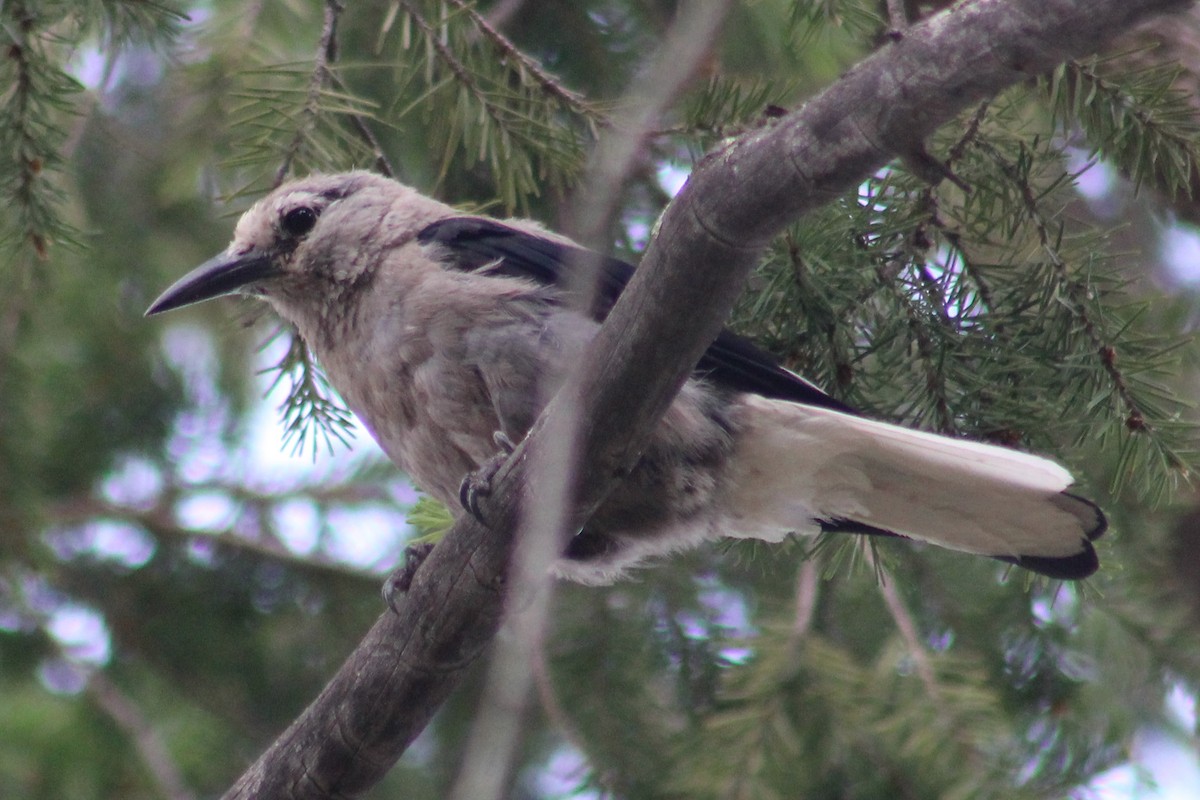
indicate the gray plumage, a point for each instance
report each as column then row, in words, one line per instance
column 439, row 330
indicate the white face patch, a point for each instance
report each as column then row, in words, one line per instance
column 261, row 227
column 323, row 233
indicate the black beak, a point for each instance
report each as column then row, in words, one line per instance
column 218, row 276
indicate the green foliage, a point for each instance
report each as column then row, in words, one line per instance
column 283, row 114
column 430, row 520
column 34, row 112
column 492, row 104
column 994, row 305
column 729, row 106
column 39, row 104
column 963, row 310
column 1137, row 118
column 311, row 408
column 861, row 18
column 882, row 720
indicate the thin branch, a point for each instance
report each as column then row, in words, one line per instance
column 146, row 740
column 26, row 144
column 497, row 730
column 1076, row 295
column 935, row 376
column 969, row 135
column 898, row 15
column 551, row 707
column 742, row 783
column 456, row 67
column 658, row 86
column 160, row 521
column 111, row 700
column 551, row 85
column 919, row 654
column 460, row 72
column 383, row 164
column 316, row 82
column 808, row 580
column 500, row 13
column 907, row 628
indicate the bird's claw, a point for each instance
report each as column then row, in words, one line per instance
column 503, row 442
column 478, row 484
column 400, row 581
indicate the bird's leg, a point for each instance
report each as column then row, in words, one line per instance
column 478, row 484
column 399, row 582
column 475, row 485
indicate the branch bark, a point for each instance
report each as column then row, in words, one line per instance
column 501, row 713
column 709, row 239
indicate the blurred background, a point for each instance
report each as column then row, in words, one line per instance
column 193, row 533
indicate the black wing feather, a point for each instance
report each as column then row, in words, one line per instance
column 731, row 361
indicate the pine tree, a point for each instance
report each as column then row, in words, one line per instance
column 168, row 606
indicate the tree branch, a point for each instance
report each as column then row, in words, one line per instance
column 145, row 738
column 326, row 47
column 710, row 238
column 495, row 731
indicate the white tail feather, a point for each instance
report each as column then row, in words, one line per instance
column 797, row 465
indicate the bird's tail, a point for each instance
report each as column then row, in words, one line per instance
column 800, row 468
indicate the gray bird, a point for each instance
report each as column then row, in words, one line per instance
column 441, row 330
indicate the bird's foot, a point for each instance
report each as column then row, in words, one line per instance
column 478, row 484
column 400, row 581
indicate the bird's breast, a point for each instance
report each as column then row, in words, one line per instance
column 428, row 411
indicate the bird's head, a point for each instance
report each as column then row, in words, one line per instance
column 311, row 238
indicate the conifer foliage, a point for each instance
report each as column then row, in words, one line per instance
column 171, row 597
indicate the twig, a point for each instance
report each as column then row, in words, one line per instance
column 159, row 520
column 112, row 701
column 500, row 13
column 550, row 84
column 551, row 707
column 383, row 164
column 675, row 64
column 929, row 286
column 972, row 131
column 935, row 379
column 742, row 783
column 807, row 582
column 907, row 628
column 316, row 82
column 897, row 15
column 1077, row 297
column 456, row 67
column 146, row 741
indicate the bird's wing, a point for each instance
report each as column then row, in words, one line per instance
column 731, row 361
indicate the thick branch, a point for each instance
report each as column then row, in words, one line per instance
column 710, row 238
column 496, row 730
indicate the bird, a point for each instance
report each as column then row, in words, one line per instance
column 448, row 332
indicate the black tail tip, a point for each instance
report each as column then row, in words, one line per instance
column 1081, row 564
column 1066, row 568
column 1074, row 567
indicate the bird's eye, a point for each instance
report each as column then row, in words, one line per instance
column 299, row 221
